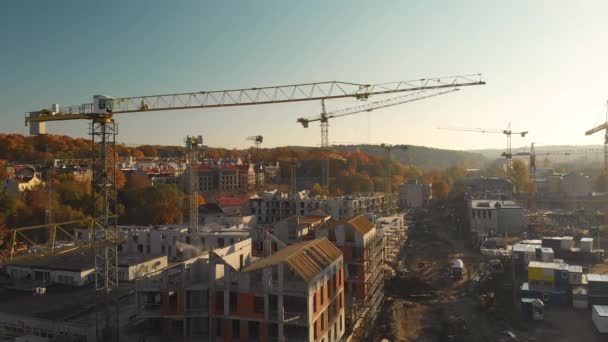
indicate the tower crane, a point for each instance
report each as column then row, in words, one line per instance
column 532, row 156
column 324, row 117
column 602, row 127
column 257, row 139
column 193, row 146
column 103, row 132
column 507, row 132
column 388, row 172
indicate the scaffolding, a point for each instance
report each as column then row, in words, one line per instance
column 364, row 312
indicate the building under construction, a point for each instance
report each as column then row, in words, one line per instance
column 363, row 249
column 294, row 294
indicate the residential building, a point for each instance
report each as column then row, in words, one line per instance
column 80, row 171
column 175, row 241
column 225, row 178
column 16, row 185
column 300, row 227
column 576, row 185
column 63, row 313
column 394, row 231
column 362, row 248
column 272, row 172
column 295, row 294
column 273, row 206
column 375, row 203
column 414, row 195
column 78, row 269
column 488, row 187
column 495, row 217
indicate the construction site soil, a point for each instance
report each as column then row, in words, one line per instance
column 423, row 304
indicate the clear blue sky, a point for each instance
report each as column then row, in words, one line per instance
column 545, row 63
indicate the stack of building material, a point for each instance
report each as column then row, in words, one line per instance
column 598, row 288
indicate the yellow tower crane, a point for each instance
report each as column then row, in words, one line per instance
column 103, row 131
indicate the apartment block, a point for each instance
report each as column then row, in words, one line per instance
column 362, row 248
column 414, row 195
column 274, row 206
column 394, row 231
column 300, row 227
column 294, row 294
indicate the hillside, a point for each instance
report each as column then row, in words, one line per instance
column 583, row 156
column 424, row 157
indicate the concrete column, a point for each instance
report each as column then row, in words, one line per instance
column 281, row 310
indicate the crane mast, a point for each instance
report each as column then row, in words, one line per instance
column 193, row 146
column 257, row 139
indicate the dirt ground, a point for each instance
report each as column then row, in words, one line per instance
column 425, row 305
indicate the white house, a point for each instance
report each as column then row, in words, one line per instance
column 495, row 217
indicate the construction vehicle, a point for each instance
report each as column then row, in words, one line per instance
column 457, row 269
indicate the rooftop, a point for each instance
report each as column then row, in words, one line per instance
column 60, row 303
column 80, row 262
column 493, row 204
column 549, row 265
column 602, row 310
column 592, row 277
column 306, row 258
column 361, row 224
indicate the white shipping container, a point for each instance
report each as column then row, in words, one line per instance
column 546, row 255
column 587, row 244
column 600, row 318
column 566, row 243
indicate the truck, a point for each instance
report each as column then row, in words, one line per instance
column 457, row 269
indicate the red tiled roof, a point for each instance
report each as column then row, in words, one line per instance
column 226, row 201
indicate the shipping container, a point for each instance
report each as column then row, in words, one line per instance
column 600, row 318
column 566, row 243
column 546, row 254
column 587, row 244
column 580, row 300
column 549, row 296
column 552, row 242
column 575, row 275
